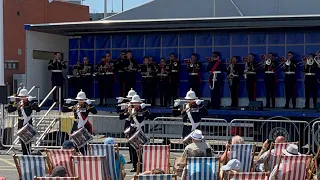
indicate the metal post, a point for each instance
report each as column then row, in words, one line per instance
column 38, row 95
column 59, row 133
column 2, row 124
column 105, row 8
column 122, row 5
column 1, row 45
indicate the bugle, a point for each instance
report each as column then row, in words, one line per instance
column 129, row 104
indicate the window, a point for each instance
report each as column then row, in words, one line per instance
column 11, row 65
column 44, row 55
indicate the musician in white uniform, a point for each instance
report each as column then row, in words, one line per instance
column 81, row 112
column 191, row 112
column 24, row 107
column 137, row 112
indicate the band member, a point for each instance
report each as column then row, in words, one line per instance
column 86, row 71
column 215, row 67
column 74, row 79
column 81, row 112
column 163, row 74
column 270, row 79
column 137, row 113
column 146, row 71
column 193, row 68
column 106, row 78
column 119, row 66
column 191, row 112
column 233, row 73
column 24, row 107
column 122, row 109
column 153, row 82
column 289, row 68
column 56, row 65
column 174, row 76
column 310, row 69
column 250, row 74
column 131, row 68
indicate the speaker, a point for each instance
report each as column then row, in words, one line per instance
column 3, row 94
column 255, row 106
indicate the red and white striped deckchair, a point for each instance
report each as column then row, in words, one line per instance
column 154, row 157
column 56, row 178
column 156, row 177
column 248, row 175
column 293, row 167
column 274, row 158
column 90, row 167
column 61, row 157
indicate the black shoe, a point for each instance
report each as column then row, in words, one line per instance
column 130, row 162
column 286, row 107
column 133, row 170
column 305, row 107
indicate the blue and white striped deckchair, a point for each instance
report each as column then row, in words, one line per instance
column 156, row 177
column 202, row 168
column 30, row 166
column 107, row 150
column 244, row 153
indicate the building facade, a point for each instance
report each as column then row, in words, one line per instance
column 21, row 12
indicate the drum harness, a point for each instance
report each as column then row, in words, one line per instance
column 193, row 124
column 81, row 121
column 26, row 118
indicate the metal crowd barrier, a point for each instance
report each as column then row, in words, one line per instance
column 315, row 133
column 257, row 131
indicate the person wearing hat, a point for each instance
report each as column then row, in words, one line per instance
column 198, row 145
column 291, row 150
column 59, row 171
column 191, row 112
column 175, row 67
column 234, row 165
column 193, row 68
column 24, row 107
column 119, row 164
column 163, row 75
column 81, row 112
column 137, row 112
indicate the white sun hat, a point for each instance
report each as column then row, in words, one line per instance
column 136, row 99
column 81, row 96
column 233, row 164
column 24, row 93
column 131, row 93
column 291, row 150
column 197, row 135
column 191, row 95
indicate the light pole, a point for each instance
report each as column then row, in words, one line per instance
column 105, row 8
column 1, row 46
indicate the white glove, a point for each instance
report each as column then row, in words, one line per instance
column 11, row 98
column 88, row 101
column 133, row 125
column 30, row 99
column 68, row 101
column 176, row 103
column 120, row 100
column 198, row 102
column 142, row 105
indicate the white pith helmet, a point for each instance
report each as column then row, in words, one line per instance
column 191, row 95
column 81, row 95
column 131, row 93
column 23, row 93
column 136, row 99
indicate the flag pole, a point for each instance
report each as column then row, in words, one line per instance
column 1, row 45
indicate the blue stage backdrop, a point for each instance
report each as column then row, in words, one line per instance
column 203, row 44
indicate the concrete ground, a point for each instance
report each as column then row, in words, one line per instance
column 9, row 171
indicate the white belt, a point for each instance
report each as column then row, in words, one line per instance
column 106, row 73
column 120, row 71
column 251, row 72
column 216, row 72
column 174, row 70
column 269, row 72
column 193, row 74
column 310, row 74
column 147, row 76
column 235, row 75
column 290, row 72
column 88, row 74
column 162, row 74
column 56, row 71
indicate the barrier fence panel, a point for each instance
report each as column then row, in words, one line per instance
column 315, row 132
column 257, row 131
column 168, row 130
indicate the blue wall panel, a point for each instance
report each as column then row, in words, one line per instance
column 184, row 44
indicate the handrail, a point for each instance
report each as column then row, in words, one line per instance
column 48, row 111
column 44, row 100
column 53, row 122
column 31, row 89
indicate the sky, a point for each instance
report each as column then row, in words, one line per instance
column 97, row 5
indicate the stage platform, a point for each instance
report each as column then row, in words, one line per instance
column 228, row 113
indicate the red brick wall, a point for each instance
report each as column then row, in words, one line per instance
column 33, row 12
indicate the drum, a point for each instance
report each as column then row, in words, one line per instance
column 129, row 131
column 139, row 138
column 188, row 139
column 81, row 137
column 27, row 133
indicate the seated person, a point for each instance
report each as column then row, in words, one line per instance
column 234, row 165
column 198, row 145
column 153, row 171
column 36, row 153
column 235, row 140
column 69, row 145
column 59, row 171
column 291, row 150
column 119, row 168
column 263, row 155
